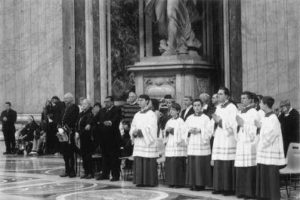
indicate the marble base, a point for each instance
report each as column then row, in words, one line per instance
column 176, row 75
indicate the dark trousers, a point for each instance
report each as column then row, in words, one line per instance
column 52, row 143
column 87, row 163
column 111, row 163
column 69, row 157
column 10, row 141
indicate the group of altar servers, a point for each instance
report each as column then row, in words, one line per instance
column 244, row 158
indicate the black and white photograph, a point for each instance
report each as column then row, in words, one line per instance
column 149, row 99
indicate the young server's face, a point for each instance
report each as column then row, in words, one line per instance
column 197, row 107
column 214, row 99
column 263, row 106
column 142, row 102
column 173, row 112
column 245, row 100
column 222, row 97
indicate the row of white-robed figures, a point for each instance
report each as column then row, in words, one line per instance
column 247, row 149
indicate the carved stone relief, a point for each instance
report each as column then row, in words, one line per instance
column 158, row 87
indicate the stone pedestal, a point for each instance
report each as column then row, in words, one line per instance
column 176, row 75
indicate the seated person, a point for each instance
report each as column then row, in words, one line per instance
column 26, row 135
column 39, row 141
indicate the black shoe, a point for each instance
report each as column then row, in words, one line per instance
column 64, row 175
column 240, row 196
column 178, row 186
column 249, row 197
column 216, row 192
column 101, row 177
column 83, row 176
column 140, row 185
column 114, row 179
column 199, row 188
column 5, row 153
column 89, row 176
column 72, row 175
column 228, row 193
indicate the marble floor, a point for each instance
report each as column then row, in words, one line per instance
column 26, row 177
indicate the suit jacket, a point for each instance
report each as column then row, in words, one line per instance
column 290, row 128
column 9, row 124
column 190, row 112
column 84, row 119
column 209, row 110
column 110, row 137
column 70, row 116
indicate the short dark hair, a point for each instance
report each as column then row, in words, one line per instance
column 189, row 97
column 55, row 97
column 226, row 90
column 155, row 104
column 8, row 103
column 168, row 96
column 144, row 96
column 259, row 96
column 269, row 101
column 110, row 97
column 255, row 98
column 97, row 104
column 198, row 100
column 176, row 106
column 250, row 95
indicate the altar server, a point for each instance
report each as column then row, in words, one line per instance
column 198, row 134
column 245, row 158
column 224, row 145
column 176, row 150
column 143, row 133
column 270, row 154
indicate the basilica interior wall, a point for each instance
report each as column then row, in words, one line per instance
column 31, row 53
column 270, row 48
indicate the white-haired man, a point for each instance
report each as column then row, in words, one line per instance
column 69, row 120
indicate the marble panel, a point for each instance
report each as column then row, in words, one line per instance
column 31, row 52
column 80, row 51
column 270, row 48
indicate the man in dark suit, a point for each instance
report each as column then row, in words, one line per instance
column 110, row 140
column 188, row 103
column 8, row 119
column 289, row 120
column 208, row 108
column 69, row 122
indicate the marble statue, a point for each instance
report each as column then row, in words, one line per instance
column 174, row 18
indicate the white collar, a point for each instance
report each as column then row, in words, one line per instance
column 287, row 114
column 190, row 106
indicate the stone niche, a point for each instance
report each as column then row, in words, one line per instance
column 178, row 75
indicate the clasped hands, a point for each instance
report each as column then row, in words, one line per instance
column 194, row 131
column 169, row 130
column 137, row 133
column 107, row 123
